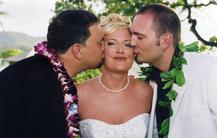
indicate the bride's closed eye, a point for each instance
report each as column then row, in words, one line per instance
column 111, row 43
column 128, row 45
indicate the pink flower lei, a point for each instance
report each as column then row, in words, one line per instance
column 68, row 88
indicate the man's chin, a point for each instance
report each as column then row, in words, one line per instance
column 138, row 61
column 100, row 64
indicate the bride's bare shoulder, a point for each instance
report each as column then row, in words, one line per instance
column 87, row 86
column 87, row 83
column 143, row 86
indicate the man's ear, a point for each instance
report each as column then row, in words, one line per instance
column 76, row 51
column 166, row 40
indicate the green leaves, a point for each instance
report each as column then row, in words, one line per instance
column 177, row 62
column 168, row 76
column 168, row 84
column 164, row 103
column 126, row 7
column 10, row 52
column 172, row 95
column 164, row 129
column 87, row 74
column 146, row 70
column 193, row 47
column 180, row 78
column 165, row 76
column 166, row 136
column 175, row 75
column 145, row 73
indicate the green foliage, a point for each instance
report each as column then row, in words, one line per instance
column 191, row 47
column 123, row 7
column 195, row 46
column 164, row 104
column 180, row 79
column 126, row 7
column 85, row 75
column 213, row 39
column 10, row 52
column 168, row 84
column 172, row 95
column 164, row 127
column 144, row 73
column 77, row 137
column 62, row 5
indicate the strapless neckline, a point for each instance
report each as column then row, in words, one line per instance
column 136, row 127
column 109, row 124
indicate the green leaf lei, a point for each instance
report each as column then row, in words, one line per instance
column 175, row 75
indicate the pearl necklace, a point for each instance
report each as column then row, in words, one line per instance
column 113, row 91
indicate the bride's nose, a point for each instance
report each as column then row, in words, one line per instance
column 120, row 49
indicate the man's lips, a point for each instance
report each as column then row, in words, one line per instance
column 135, row 51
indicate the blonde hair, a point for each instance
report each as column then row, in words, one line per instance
column 113, row 22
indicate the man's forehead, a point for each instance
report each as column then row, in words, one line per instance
column 143, row 18
column 137, row 22
column 141, row 22
column 136, row 27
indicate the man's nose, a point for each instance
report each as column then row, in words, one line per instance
column 133, row 40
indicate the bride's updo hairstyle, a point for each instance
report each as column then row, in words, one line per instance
column 113, row 22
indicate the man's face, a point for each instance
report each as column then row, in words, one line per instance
column 144, row 39
column 94, row 47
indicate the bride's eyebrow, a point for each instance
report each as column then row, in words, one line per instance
column 111, row 40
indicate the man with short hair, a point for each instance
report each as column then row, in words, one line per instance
column 37, row 96
column 184, row 102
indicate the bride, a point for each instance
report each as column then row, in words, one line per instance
column 115, row 105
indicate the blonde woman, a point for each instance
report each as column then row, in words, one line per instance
column 114, row 104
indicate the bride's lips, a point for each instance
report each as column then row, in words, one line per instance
column 120, row 58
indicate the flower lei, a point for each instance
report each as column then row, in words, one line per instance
column 68, row 88
column 175, row 75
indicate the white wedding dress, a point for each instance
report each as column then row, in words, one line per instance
column 134, row 128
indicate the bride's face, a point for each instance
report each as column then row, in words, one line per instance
column 118, row 52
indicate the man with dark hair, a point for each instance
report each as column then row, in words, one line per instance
column 184, row 102
column 37, row 96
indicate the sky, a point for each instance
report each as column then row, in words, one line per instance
column 28, row 16
column 206, row 23
column 32, row 17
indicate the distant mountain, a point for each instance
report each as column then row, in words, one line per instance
column 18, row 40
